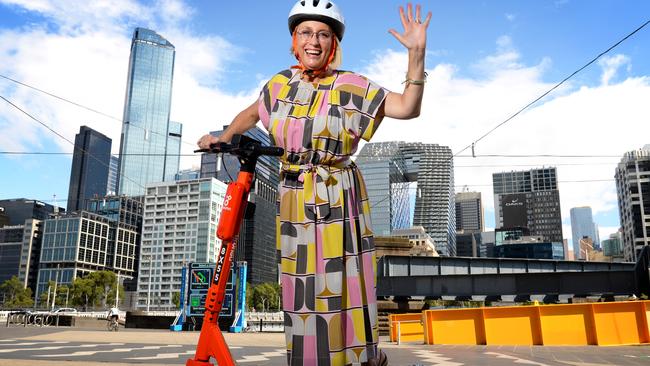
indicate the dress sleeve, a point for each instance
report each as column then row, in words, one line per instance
column 374, row 98
column 264, row 105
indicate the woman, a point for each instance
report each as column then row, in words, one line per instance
column 318, row 114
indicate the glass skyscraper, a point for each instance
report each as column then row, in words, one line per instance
column 148, row 137
column 582, row 224
column 389, row 168
column 90, row 166
column 111, row 185
column 384, row 171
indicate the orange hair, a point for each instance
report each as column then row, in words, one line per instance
column 322, row 70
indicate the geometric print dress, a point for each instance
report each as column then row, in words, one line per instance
column 324, row 234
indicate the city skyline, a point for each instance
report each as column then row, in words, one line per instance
column 479, row 74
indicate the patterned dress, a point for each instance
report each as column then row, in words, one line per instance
column 324, row 232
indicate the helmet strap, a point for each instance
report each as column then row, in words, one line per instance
column 309, row 72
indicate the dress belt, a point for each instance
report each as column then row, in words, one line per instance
column 310, row 173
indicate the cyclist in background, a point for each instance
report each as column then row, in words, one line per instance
column 113, row 316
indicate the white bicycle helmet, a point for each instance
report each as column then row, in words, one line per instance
column 320, row 10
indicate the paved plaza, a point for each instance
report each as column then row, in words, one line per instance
column 92, row 347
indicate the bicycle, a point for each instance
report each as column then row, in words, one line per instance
column 112, row 325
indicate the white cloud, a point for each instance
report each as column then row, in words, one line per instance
column 86, row 60
column 510, row 17
column 79, row 16
column 571, row 121
column 610, row 66
column 605, row 231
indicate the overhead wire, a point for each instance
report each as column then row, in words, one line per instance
column 528, row 105
column 62, row 137
column 85, row 107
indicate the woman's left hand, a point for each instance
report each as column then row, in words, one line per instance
column 415, row 29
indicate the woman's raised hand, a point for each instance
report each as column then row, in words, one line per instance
column 415, row 29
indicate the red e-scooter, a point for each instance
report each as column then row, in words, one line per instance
column 211, row 342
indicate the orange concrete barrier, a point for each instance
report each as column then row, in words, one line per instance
column 609, row 323
column 405, row 327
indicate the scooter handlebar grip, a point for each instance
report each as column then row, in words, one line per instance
column 269, row 150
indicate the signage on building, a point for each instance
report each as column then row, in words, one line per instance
column 200, row 275
column 514, row 210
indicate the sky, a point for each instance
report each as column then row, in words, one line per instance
column 486, row 60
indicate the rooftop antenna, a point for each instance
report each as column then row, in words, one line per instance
column 56, row 208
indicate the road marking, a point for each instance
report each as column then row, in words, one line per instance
column 252, row 359
column 59, row 347
column 114, row 350
column 263, row 356
column 42, row 342
column 435, row 358
column 161, row 356
column 516, row 359
column 171, row 355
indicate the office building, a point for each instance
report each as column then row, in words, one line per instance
column 384, row 171
column 257, row 241
column 421, row 243
column 633, row 190
column 173, row 155
column 583, row 226
column 468, row 244
column 90, row 166
column 111, row 184
column 613, row 247
column 149, row 142
column 82, row 242
column 469, row 212
column 431, row 166
column 20, row 247
column 486, row 247
column 529, row 199
column 20, row 209
column 537, row 249
column 4, row 218
column 187, row 174
column 180, row 223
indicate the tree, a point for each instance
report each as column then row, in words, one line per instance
column 266, row 296
column 249, row 296
column 176, row 299
column 83, row 292
column 45, row 298
column 15, row 294
column 105, row 281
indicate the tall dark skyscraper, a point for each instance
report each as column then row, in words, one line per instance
column 469, row 212
column 90, row 166
column 529, row 199
column 633, row 190
column 257, row 241
column 148, row 137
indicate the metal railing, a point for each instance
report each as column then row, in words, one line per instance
column 32, row 319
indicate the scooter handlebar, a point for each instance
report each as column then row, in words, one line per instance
column 243, row 145
column 268, row 150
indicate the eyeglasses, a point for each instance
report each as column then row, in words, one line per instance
column 321, row 36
